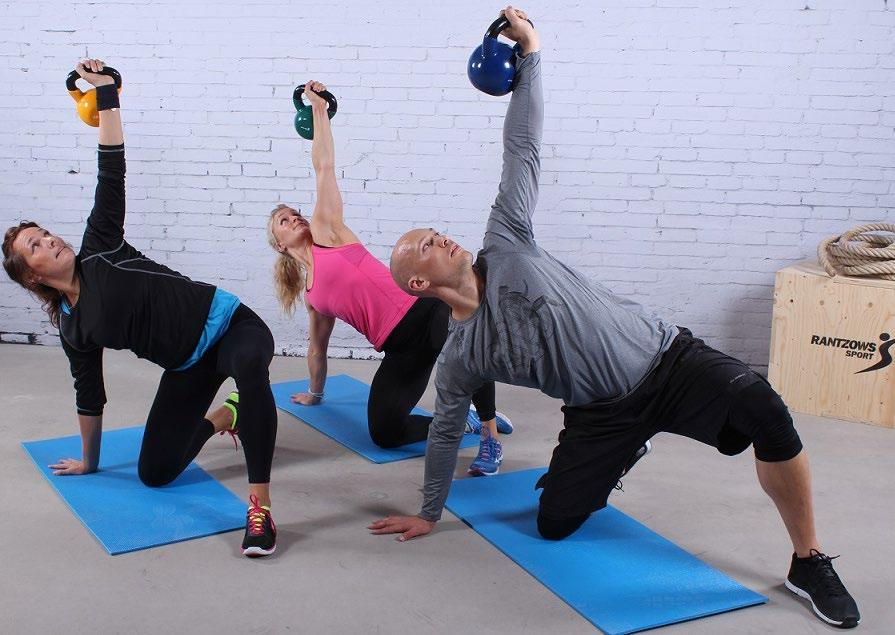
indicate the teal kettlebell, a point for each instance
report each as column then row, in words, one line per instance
column 304, row 118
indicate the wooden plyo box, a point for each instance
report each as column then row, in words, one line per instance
column 833, row 343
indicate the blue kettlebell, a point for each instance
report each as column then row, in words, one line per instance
column 492, row 66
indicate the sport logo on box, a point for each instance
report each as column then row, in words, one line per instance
column 884, row 350
column 860, row 349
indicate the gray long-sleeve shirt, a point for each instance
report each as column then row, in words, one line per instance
column 540, row 323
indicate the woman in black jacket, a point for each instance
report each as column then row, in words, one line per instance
column 112, row 296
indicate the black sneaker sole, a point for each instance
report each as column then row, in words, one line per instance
column 804, row 594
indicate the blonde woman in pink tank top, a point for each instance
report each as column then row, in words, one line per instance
column 322, row 258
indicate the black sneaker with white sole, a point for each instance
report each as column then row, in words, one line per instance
column 641, row 452
column 814, row 579
column 261, row 533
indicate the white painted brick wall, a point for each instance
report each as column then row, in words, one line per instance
column 692, row 147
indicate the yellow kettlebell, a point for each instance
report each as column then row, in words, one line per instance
column 86, row 101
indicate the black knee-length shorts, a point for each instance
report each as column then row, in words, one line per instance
column 696, row 392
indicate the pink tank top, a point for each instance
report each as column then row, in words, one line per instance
column 350, row 284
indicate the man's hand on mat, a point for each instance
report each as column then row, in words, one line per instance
column 305, row 399
column 408, row 526
column 66, row 467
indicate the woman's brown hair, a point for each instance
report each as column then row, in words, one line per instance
column 18, row 270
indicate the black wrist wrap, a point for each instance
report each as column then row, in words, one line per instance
column 107, row 97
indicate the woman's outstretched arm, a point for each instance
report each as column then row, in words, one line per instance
column 327, row 223
column 105, row 225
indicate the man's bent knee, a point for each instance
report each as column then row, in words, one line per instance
column 770, row 425
column 559, row 528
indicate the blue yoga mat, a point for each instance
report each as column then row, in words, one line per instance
column 124, row 514
column 619, row 575
column 342, row 416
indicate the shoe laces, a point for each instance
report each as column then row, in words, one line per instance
column 827, row 576
column 256, row 517
column 488, row 449
column 233, row 433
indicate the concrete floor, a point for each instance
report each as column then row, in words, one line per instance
column 329, row 575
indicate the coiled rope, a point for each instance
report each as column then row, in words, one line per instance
column 860, row 252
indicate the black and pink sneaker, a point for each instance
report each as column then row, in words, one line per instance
column 261, row 533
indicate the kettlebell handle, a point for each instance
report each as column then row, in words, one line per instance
column 298, row 98
column 499, row 25
column 71, row 86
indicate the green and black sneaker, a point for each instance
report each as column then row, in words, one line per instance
column 232, row 404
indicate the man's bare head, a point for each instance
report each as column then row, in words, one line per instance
column 403, row 261
column 423, row 261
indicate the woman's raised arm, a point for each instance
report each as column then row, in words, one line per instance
column 327, row 223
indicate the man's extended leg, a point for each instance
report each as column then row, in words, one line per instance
column 788, row 483
column 811, row 574
column 719, row 400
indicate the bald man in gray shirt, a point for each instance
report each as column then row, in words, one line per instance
column 520, row 316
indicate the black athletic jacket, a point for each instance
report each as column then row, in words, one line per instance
column 127, row 301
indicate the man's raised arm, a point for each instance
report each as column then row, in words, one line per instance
column 522, row 131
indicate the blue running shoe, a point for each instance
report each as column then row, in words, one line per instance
column 474, row 424
column 489, row 458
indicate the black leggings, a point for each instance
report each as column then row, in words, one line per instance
column 410, row 353
column 177, row 428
